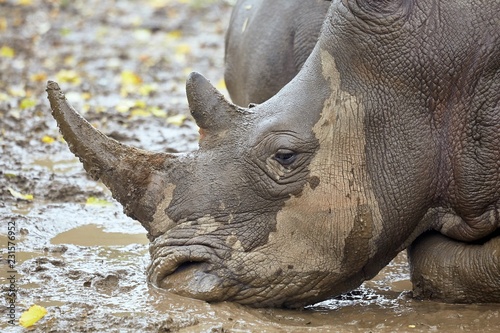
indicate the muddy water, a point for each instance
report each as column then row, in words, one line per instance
column 86, row 263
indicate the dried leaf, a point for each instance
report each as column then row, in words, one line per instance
column 39, row 77
column 157, row 112
column 18, row 195
column 183, row 49
column 125, row 105
column 68, row 76
column 174, row 34
column 3, row 24
column 130, row 78
column 48, row 139
column 221, row 85
column 93, row 201
column 176, row 120
column 32, row 315
column 140, row 112
column 147, row 88
column 7, row 52
column 25, row 2
column 27, row 103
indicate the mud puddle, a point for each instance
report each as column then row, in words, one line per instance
column 124, row 65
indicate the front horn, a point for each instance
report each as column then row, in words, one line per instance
column 136, row 177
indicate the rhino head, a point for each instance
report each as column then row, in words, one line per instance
column 304, row 196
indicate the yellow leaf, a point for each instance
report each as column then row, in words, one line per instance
column 7, row 52
column 32, row 315
column 19, row 195
column 147, row 88
column 174, row 34
column 182, row 49
column 125, row 105
column 130, row 78
column 68, row 76
column 27, row 103
column 93, row 201
column 221, row 85
column 3, row 24
column 140, row 104
column 39, row 77
column 48, row 139
column 25, row 2
column 157, row 112
column 139, row 112
column 177, row 120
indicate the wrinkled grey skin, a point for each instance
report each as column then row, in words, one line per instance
column 267, row 43
column 390, row 129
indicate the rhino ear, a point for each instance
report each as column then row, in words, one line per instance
column 211, row 111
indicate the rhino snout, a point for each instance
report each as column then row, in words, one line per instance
column 187, row 271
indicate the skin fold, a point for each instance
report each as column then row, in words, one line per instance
column 390, row 129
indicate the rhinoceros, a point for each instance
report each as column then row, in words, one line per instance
column 388, row 138
column 263, row 50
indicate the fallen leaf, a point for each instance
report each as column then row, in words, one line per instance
column 174, row 34
column 157, row 112
column 7, row 52
column 130, row 78
column 48, row 139
column 68, row 76
column 177, row 120
column 140, row 112
column 39, row 77
column 18, row 195
column 183, row 49
column 147, row 88
column 221, row 85
column 25, row 2
column 125, row 105
column 27, row 103
column 3, row 24
column 32, row 315
column 93, row 201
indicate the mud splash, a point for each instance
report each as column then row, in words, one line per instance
column 86, row 262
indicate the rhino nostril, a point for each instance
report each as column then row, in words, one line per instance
column 187, row 265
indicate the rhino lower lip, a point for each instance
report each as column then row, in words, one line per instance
column 176, row 261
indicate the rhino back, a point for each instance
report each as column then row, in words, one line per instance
column 267, row 43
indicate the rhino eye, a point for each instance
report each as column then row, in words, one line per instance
column 285, row 156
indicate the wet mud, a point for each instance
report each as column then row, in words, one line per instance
column 124, row 64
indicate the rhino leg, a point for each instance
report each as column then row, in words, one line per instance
column 452, row 271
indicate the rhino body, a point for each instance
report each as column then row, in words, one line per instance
column 387, row 138
column 267, row 43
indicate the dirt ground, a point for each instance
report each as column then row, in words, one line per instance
column 123, row 65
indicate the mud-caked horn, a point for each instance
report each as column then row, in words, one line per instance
column 209, row 108
column 135, row 177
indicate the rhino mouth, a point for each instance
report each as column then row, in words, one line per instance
column 188, row 271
